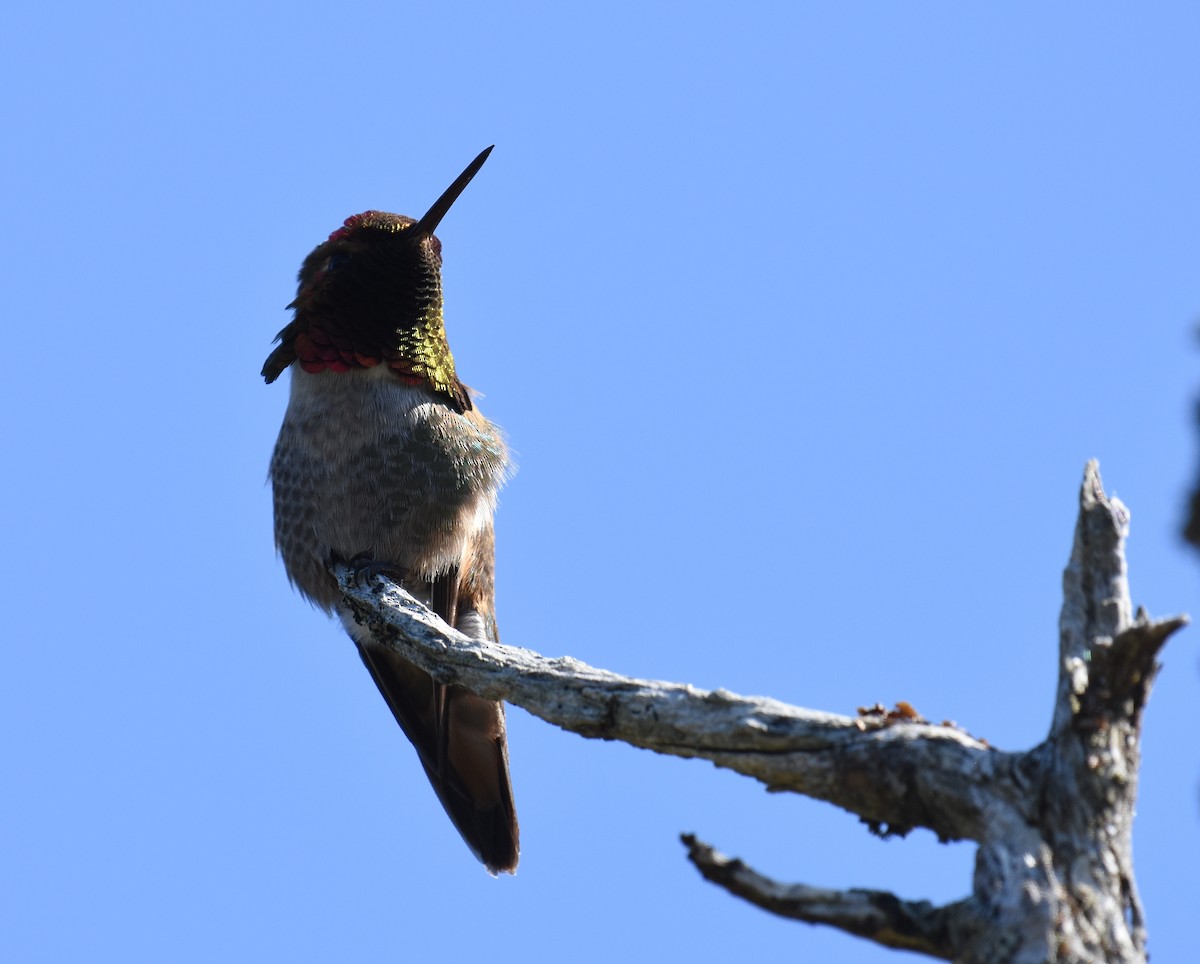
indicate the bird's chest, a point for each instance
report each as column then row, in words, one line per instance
column 365, row 464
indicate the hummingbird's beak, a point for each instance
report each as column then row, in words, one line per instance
column 425, row 227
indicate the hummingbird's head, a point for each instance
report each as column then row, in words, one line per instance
column 371, row 294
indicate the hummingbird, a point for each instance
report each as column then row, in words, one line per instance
column 385, row 459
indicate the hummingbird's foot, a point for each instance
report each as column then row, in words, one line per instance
column 366, row 567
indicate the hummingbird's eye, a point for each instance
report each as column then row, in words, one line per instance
column 334, row 262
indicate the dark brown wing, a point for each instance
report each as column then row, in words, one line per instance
column 460, row 739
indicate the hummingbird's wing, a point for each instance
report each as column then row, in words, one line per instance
column 459, row 737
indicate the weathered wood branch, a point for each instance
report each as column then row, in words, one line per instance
column 1054, row 875
column 874, row 914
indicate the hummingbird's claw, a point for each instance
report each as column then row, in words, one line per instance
column 366, row 567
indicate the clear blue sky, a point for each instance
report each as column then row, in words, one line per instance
column 802, row 321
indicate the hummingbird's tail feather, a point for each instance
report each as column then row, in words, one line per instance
column 460, row 739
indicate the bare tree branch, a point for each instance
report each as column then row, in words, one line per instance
column 896, row 773
column 1054, row 876
column 874, row 914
